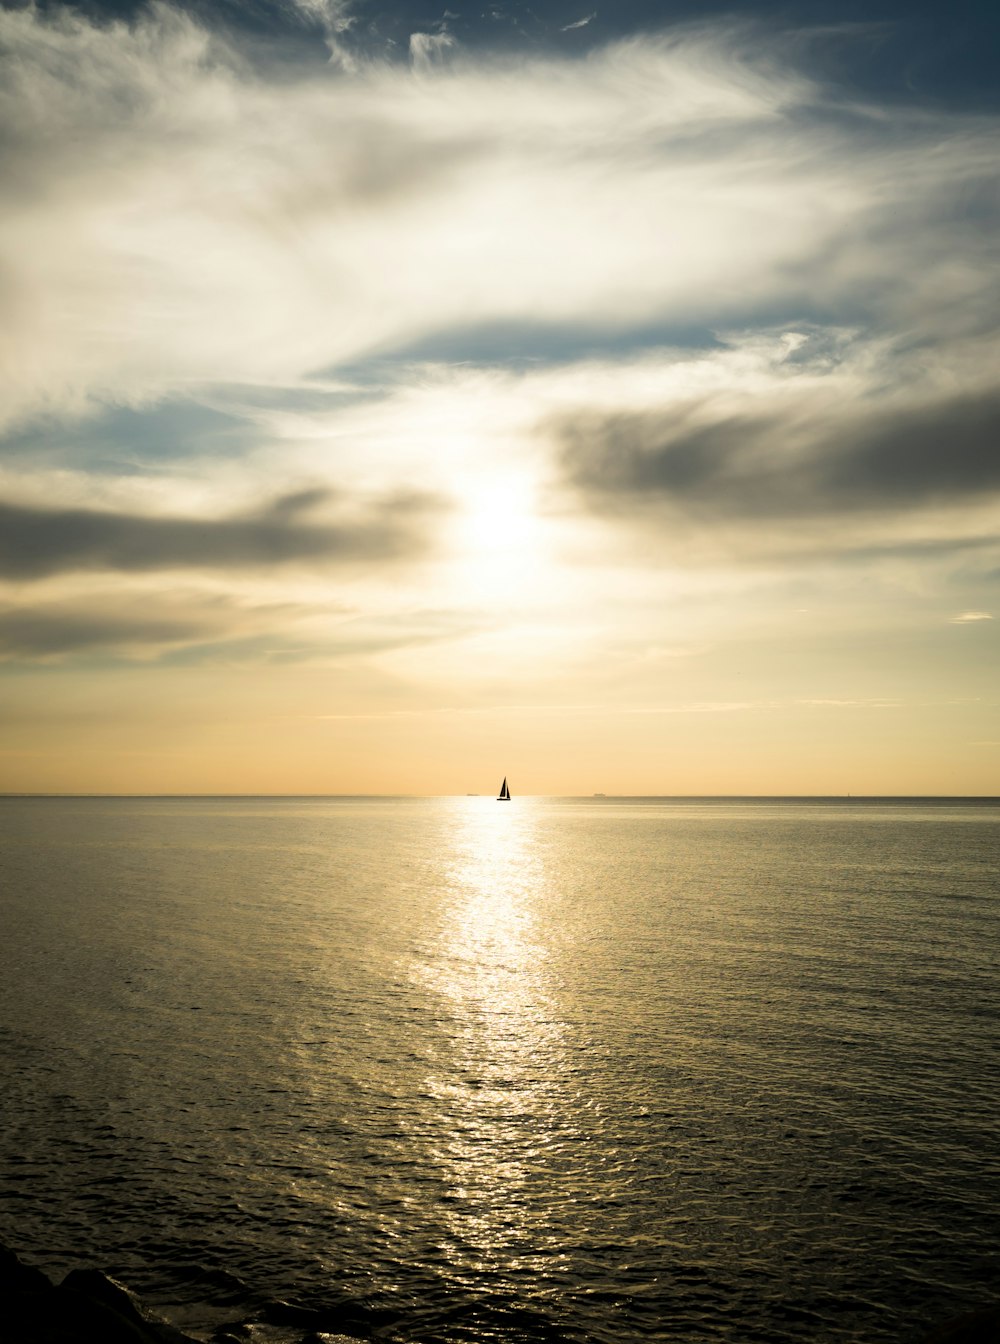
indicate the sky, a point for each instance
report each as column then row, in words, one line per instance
column 396, row 397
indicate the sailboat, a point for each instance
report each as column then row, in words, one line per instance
column 504, row 795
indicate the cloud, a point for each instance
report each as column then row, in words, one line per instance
column 36, row 541
column 335, row 20
column 780, row 457
column 174, row 217
column 128, row 625
column 971, row 617
column 428, row 50
column 580, row 23
column 198, row 625
column 673, row 290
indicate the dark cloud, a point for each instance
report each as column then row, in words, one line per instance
column 154, row 624
column 27, row 633
column 774, row 466
column 947, row 451
column 36, row 541
column 195, row 628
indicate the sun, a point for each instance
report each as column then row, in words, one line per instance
column 500, row 538
column 499, row 515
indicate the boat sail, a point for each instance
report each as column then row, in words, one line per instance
column 504, row 795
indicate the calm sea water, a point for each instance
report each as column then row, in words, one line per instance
column 448, row 1069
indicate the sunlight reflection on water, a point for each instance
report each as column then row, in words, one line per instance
column 493, row 935
column 492, row 968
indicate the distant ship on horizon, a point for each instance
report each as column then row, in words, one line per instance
column 504, row 795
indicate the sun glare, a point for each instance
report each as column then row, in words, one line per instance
column 499, row 515
column 500, row 536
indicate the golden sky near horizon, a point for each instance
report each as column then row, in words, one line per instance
column 624, row 423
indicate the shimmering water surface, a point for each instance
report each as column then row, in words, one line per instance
column 448, row 1069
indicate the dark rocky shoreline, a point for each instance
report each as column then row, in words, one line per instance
column 88, row 1307
column 85, row 1308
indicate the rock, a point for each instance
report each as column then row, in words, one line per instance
column 16, row 1277
column 101, row 1296
column 86, row 1308
column 27, row 1299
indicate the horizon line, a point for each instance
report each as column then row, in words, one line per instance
column 576, row 797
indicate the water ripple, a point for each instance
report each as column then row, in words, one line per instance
column 420, row 1071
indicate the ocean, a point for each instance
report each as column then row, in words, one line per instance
column 450, row 1069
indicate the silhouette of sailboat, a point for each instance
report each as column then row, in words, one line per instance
column 504, row 795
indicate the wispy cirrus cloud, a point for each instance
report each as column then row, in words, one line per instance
column 174, row 216
column 335, row 19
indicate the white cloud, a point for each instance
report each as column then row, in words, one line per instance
column 580, row 23
column 173, row 218
column 970, row 617
column 427, row 50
